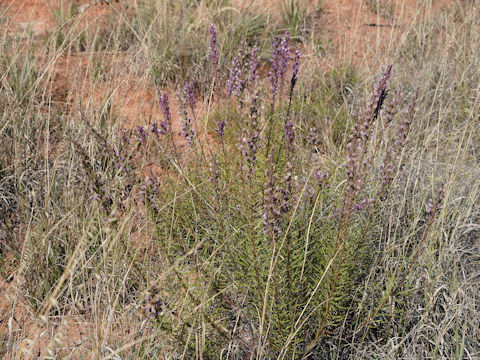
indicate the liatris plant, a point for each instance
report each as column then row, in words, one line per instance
column 282, row 257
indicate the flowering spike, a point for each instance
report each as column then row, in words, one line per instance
column 220, row 129
column 253, row 64
column 166, row 124
column 233, row 82
column 296, row 65
column 187, row 131
column 213, row 45
column 280, row 58
column 189, row 96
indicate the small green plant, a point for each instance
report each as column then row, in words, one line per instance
column 293, row 13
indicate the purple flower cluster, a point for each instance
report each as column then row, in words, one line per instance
column 234, row 78
column 187, row 131
column 358, row 161
column 166, row 124
column 213, row 45
column 277, row 197
column 380, row 93
column 289, row 132
column 312, row 138
column 296, row 65
column 253, row 65
column 434, row 206
column 124, row 138
column 243, row 73
column 391, row 109
column 279, row 61
column 322, row 179
column 220, row 129
column 141, row 134
column 363, row 204
column 189, row 97
column 148, row 191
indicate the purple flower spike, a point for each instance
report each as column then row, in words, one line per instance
column 213, row 45
column 289, row 134
column 434, row 206
column 253, row 64
column 189, row 96
column 296, row 65
column 280, row 58
column 166, row 124
column 322, row 179
column 141, row 134
column 381, row 91
column 187, row 131
column 233, row 82
column 124, row 138
column 220, row 129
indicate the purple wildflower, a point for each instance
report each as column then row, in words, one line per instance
column 296, row 65
column 313, row 137
column 124, row 138
column 141, row 134
column 253, row 64
column 363, row 204
column 189, row 96
column 380, row 92
column 233, row 82
column 280, row 58
column 289, row 132
column 220, row 129
column 166, row 124
column 434, row 206
column 358, row 161
column 213, row 45
column 155, row 129
column 322, row 179
column 187, row 131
